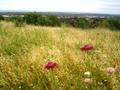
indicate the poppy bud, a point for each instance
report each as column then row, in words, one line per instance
column 86, row 47
column 50, row 65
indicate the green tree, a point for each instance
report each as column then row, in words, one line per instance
column 81, row 23
column 32, row 18
column 53, row 20
column 114, row 23
column 18, row 21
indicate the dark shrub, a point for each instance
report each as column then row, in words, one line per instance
column 67, row 22
column 53, row 20
column 114, row 23
column 18, row 21
column 95, row 22
column 104, row 24
column 32, row 18
column 37, row 19
column 81, row 23
column 1, row 17
column 44, row 20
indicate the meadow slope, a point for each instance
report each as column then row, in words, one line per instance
column 25, row 50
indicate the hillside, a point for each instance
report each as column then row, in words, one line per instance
column 25, row 52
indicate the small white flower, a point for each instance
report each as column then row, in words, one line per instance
column 110, row 70
column 88, row 80
column 87, row 74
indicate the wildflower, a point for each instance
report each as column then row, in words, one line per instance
column 86, row 47
column 110, row 70
column 88, row 80
column 87, row 74
column 50, row 65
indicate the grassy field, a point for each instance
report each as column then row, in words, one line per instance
column 24, row 51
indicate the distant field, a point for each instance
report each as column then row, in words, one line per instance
column 25, row 50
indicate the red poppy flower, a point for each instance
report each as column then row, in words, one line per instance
column 50, row 65
column 86, row 47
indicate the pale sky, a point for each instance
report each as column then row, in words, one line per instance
column 84, row 6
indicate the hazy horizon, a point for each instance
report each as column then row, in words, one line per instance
column 77, row 6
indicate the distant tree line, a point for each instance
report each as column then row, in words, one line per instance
column 51, row 20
